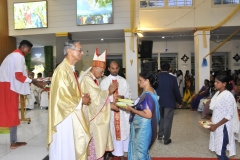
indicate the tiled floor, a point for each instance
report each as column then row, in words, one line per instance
column 189, row 139
column 34, row 134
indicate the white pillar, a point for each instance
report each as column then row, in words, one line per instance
column 131, row 62
column 201, row 73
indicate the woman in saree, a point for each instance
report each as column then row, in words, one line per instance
column 144, row 118
column 204, row 92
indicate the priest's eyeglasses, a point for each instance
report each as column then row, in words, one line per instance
column 79, row 49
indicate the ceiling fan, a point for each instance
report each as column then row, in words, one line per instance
column 218, row 40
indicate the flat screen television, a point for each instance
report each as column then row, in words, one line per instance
column 92, row 12
column 28, row 15
column 37, row 57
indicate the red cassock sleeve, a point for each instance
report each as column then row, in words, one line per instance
column 20, row 77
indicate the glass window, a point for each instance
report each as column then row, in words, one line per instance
column 230, row 1
column 174, row 3
column 192, row 64
column 149, row 64
column 171, row 58
column 156, row 3
column 217, row 2
column 151, row 3
column 161, row 3
column 143, row 4
column 219, row 61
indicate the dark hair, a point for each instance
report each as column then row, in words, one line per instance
column 151, row 76
column 25, row 43
column 39, row 74
column 212, row 83
column 225, row 79
column 180, row 72
column 207, row 80
column 165, row 66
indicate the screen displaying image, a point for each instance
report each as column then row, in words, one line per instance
column 94, row 12
column 30, row 15
column 37, row 57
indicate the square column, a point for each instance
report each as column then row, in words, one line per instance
column 131, row 61
column 201, row 73
column 61, row 38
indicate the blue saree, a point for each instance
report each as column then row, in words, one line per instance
column 143, row 131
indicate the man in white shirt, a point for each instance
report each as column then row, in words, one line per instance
column 171, row 72
column 118, row 119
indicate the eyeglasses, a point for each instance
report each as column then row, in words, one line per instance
column 79, row 49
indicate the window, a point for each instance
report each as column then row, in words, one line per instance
column 192, row 64
column 219, row 61
column 175, row 3
column 219, row 2
column 149, row 64
column 165, row 3
column 151, row 3
column 171, row 58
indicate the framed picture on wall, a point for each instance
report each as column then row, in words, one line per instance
column 28, row 15
column 91, row 12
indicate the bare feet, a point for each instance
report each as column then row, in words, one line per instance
column 17, row 144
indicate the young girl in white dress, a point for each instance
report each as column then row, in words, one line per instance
column 224, row 119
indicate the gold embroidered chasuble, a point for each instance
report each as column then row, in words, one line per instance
column 97, row 114
column 64, row 99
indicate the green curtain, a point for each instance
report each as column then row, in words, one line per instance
column 28, row 61
column 48, row 51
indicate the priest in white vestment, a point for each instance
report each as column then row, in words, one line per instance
column 118, row 119
column 68, row 133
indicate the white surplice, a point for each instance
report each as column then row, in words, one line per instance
column 123, row 90
column 13, row 63
column 223, row 106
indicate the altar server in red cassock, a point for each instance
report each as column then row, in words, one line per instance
column 14, row 81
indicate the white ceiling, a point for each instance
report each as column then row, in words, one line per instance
column 116, row 36
column 90, row 37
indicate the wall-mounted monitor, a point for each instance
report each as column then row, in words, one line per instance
column 37, row 57
column 28, row 15
column 90, row 12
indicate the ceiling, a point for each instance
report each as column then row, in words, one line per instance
column 188, row 34
column 117, row 36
